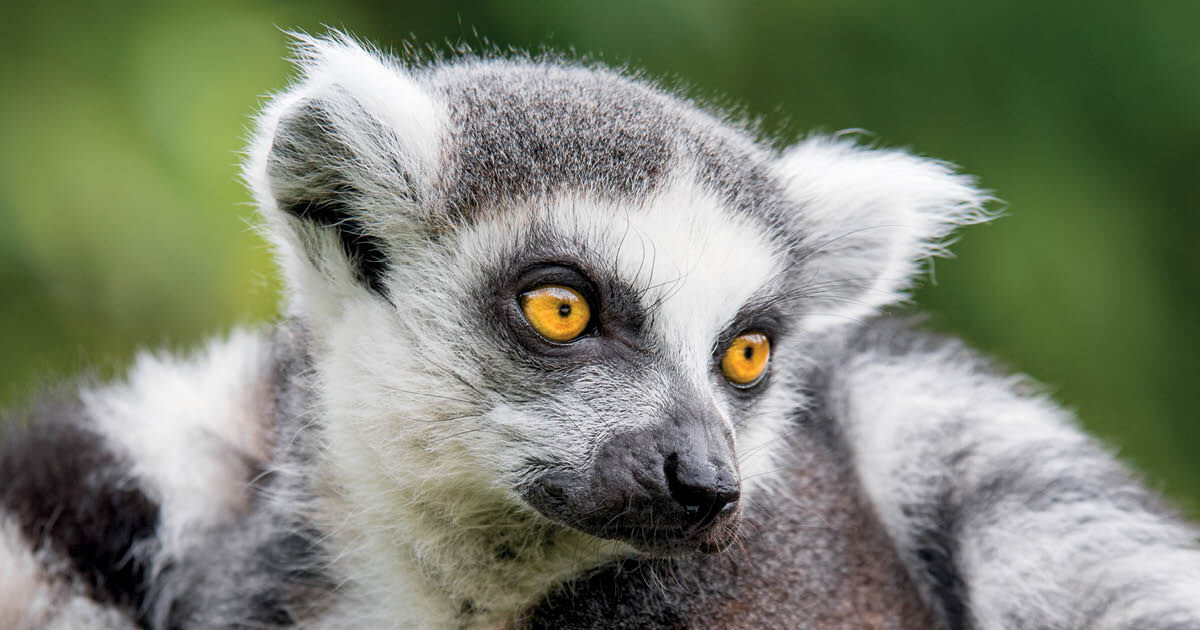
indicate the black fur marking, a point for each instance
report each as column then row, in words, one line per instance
column 365, row 252
column 309, row 168
column 937, row 550
column 820, row 561
column 616, row 315
column 505, row 552
column 76, row 499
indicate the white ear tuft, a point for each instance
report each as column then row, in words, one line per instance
column 342, row 71
column 342, row 162
column 870, row 218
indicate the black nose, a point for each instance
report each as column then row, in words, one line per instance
column 704, row 489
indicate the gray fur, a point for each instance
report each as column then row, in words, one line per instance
column 527, row 129
column 265, row 567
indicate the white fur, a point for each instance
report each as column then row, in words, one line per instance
column 906, row 419
column 698, row 265
column 873, row 216
column 26, row 591
column 184, row 422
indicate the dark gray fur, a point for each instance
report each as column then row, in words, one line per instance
column 522, row 129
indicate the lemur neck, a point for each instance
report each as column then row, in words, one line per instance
column 470, row 562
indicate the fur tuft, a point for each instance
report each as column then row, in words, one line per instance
column 871, row 217
column 348, row 152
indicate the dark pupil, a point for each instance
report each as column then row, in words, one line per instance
column 564, row 310
column 748, row 352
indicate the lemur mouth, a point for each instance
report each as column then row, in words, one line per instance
column 671, row 541
column 714, row 535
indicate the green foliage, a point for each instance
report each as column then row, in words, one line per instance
column 122, row 224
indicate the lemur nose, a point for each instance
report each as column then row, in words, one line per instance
column 705, row 489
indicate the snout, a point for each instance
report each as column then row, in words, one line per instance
column 706, row 490
column 668, row 488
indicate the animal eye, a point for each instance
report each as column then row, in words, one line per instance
column 745, row 360
column 556, row 312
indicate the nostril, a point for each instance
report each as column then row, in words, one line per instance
column 704, row 492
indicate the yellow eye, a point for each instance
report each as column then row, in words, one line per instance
column 556, row 312
column 745, row 361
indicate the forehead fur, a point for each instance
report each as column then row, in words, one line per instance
column 523, row 128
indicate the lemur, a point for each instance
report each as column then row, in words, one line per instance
column 562, row 349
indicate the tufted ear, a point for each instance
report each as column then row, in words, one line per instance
column 870, row 217
column 341, row 164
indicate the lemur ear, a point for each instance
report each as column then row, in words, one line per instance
column 871, row 217
column 341, row 163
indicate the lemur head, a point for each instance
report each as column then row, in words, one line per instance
column 555, row 289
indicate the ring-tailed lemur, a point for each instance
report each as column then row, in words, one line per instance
column 563, row 350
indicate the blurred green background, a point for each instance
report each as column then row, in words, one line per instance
column 123, row 225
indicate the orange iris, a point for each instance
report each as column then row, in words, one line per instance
column 558, row 313
column 746, row 359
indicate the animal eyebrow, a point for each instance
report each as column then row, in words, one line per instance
column 762, row 311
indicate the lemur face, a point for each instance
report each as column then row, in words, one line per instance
column 631, row 346
column 564, row 295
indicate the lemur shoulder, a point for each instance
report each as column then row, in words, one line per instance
column 561, row 349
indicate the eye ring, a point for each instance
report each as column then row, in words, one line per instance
column 744, row 363
column 558, row 313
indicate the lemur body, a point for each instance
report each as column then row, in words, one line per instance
column 729, row 437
